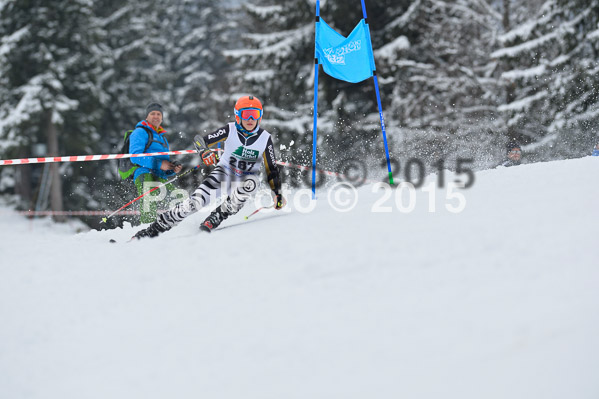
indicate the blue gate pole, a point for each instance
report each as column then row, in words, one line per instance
column 378, row 100
column 314, row 127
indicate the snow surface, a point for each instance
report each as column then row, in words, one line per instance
column 497, row 301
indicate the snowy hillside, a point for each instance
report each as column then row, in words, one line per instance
column 499, row 300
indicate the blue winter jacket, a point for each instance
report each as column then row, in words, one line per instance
column 137, row 143
column 595, row 153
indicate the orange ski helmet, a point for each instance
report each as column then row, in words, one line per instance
column 248, row 107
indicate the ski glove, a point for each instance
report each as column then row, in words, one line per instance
column 209, row 157
column 280, row 201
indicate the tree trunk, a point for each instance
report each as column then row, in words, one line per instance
column 506, row 15
column 55, row 182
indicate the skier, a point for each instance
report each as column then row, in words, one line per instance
column 596, row 151
column 246, row 144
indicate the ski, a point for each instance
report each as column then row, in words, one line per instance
column 205, row 229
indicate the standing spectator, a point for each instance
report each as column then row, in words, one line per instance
column 149, row 136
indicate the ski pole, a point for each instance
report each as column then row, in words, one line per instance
column 148, row 192
column 258, row 210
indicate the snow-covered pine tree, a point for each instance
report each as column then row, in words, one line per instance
column 138, row 41
column 442, row 89
column 166, row 51
column 197, row 32
column 50, row 61
column 551, row 63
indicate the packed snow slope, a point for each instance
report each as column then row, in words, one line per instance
column 500, row 300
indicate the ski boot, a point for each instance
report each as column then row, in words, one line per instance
column 214, row 220
column 151, row 231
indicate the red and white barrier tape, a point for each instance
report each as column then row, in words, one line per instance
column 85, row 158
column 105, row 157
column 73, row 213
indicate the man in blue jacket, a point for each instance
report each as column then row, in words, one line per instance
column 152, row 170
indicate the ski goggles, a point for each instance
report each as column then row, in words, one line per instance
column 515, row 152
column 249, row 113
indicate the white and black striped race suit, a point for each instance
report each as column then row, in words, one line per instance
column 234, row 175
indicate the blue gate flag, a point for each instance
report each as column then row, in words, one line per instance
column 348, row 59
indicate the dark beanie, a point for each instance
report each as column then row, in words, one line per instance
column 512, row 144
column 154, row 107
